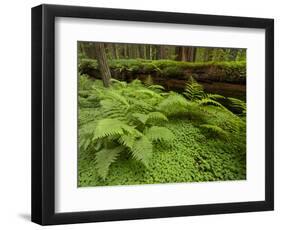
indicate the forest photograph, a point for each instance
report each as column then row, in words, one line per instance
column 154, row 114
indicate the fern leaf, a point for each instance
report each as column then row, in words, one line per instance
column 172, row 105
column 208, row 101
column 127, row 140
column 193, row 90
column 141, row 117
column 112, row 109
column 136, row 83
column 162, row 134
column 142, row 150
column 215, row 96
column 116, row 97
column 138, row 105
column 157, row 116
column 104, row 158
column 148, row 92
column 111, row 127
column 156, row 87
column 216, row 131
column 121, row 84
column 238, row 105
column 84, row 82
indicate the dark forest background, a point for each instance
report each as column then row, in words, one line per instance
column 158, row 52
column 220, row 70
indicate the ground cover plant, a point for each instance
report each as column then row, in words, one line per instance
column 133, row 130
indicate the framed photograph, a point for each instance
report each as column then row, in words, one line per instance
column 142, row 114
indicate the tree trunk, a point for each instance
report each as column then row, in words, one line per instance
column 102, row 64
column 125, row 51
column 115, row 51
column 191, row 54
column 160, row 52
column 181, row 52
column 150, row 52
column 142, row 51
column 207, row 54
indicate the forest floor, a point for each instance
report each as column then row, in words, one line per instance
column 191, row 158
column 194, row 155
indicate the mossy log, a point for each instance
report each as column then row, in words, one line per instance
column 124, row 69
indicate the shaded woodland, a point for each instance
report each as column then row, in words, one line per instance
column 219, row 70
column 153, row 114
column 158, row 52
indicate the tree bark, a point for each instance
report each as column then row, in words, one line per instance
column 142, row 51
column 115, row 51
column 160, row 52
column 150, row 52
column 103, row 64
column 191, row 51
column 181, row 53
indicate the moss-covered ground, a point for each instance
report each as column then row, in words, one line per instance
column 193, row 156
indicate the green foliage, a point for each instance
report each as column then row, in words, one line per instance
column 148, row 81
column 192, row 157
column 172, row 71
column 111, row 127
column 85, row 83
column 172, row 105
column 215, row 131
column 161, row 134
column 104, row 158
column 193, row 90
column 237, row 105
column 128, row 116
column 132, row 133
column 142, row 150
column 225, row 71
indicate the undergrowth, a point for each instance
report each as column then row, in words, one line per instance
column 134, row 133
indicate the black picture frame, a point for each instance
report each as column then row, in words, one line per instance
column 43, row 114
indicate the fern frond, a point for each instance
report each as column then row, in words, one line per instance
column 141, row 117
column 116, row 97
column 113, row 109
column 127, row 140
column 172, row 105
column 150, row 117
column 136, row 83
column 85, row 83
column 215, row 131
column 121, row 84
column 193, row 90
column 238, row 105
column 208, row 101
column 148, row 92
column 142, row 150
column 156, row 87
column 156, row 116
column 86, row 133
column 138, row 105
column 104, row 158
column 214, row 96
column 111, row 127
column 162, row 134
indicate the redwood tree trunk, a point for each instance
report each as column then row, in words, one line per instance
column 191, row 52
column 102, row 64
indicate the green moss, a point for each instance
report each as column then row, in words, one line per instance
column 234, row 71
column 192, row 155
